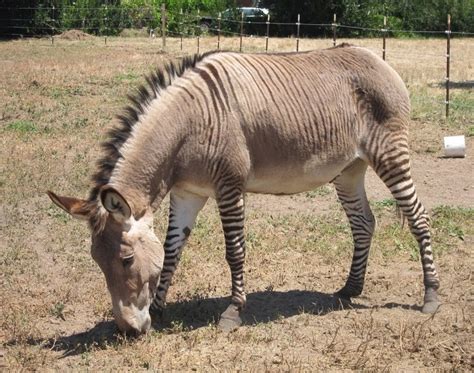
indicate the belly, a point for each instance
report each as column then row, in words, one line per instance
column 294, row 179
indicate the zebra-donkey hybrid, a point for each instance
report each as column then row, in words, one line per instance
column 223, row 124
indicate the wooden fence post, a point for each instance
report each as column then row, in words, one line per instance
column 163, row 25
column 298, row 34
column 334, row 31
column 219, row 18
column 268, row 33
column 241, row 30
column 448, row 60
column 384, row 34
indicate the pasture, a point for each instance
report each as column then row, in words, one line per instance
column 57, row 102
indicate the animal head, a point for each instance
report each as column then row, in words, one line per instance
column 127, row 251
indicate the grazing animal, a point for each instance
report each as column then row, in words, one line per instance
column 223, row 124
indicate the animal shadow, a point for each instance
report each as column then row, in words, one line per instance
column 262, row 307
column 101, row 335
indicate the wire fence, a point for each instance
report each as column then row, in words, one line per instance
column 184, row 26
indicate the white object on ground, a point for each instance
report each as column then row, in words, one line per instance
column 454, row 146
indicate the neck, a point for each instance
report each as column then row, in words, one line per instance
column 145, row 173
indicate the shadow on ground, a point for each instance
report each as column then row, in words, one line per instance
column 262, row 307
column 102, row 334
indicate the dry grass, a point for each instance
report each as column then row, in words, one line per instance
column 58, row 101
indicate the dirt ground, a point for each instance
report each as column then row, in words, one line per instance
column 54, row 306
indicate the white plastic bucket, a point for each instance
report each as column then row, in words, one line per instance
column 454, row 146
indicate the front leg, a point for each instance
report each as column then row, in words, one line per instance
column 231, row 209
column 184, row 208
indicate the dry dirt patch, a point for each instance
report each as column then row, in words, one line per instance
column 75, row 35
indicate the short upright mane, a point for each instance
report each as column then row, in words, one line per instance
column 155, row 83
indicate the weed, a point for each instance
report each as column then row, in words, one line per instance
column 22, row 126
column 319, row 192
column 58, row 310
column 58, row 214
column 470, row 131
column 451, row 224
column 128, row 76
column 387, row 202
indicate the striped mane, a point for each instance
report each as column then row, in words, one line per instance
column 139, row 102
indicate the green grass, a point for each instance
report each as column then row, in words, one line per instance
column 319, row 192
column 470, row 131
column 330, row 236
column 22, row 126
column 429, row 106
column 451, row 225
column 128, row 76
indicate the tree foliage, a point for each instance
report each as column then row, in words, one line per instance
column 111, row 16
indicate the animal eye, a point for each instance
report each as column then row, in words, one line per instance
column 127, row 260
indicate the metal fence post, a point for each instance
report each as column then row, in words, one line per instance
column 181, row 27
column 219, row 31
column 241, row 30
column 105, row 25
column 268, row 33
column 52, row 29
column 384, row 34
column 334, row 31
column 163, row 25
column 298, row 34
column 198, row 31
column 448, row 60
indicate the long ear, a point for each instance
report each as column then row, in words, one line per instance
column 77, row 208
column 115, row 204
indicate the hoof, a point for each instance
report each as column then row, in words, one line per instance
column 156, row 314
column 348, row 292
column 341, row 301
column 430, row 307
column 230, row 319
column 431, row 302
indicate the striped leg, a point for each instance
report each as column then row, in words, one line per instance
column 393, row 167
column 184, row 208
column 351, row 192
column 231, row 209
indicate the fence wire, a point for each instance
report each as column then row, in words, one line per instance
column 189, row 26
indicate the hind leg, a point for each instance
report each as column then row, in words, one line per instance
column 351, row 192
column 390, row 160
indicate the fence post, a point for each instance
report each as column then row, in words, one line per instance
column 105, row 25
column 198, row 31
column 334, row 31
column 267, row 35
column 241, row 29
column 298, row 34
column 219, row 17
column 448, row 59
column 52, row 30
column 163, row 25
column 181, row 27
column 384, row 34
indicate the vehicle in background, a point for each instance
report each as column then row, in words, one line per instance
column 233, row 15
